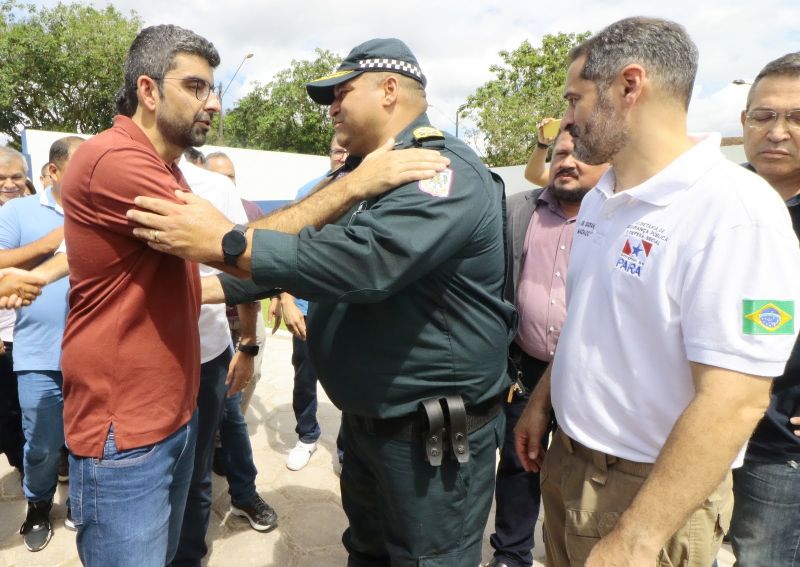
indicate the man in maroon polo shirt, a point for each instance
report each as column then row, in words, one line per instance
column 131, row 353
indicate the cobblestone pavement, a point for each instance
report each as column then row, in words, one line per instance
column 308, row 503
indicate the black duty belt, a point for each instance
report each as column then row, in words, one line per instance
column 441, row 423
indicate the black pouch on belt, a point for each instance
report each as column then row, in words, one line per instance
column 447, row 428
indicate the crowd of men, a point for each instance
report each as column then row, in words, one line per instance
column 645, row 398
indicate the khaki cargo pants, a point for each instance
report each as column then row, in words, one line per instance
column 585, row 491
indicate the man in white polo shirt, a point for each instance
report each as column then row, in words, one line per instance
column 682, row 288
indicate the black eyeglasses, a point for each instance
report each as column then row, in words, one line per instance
column 338, row 153
column 765, row 118
column 202, row 88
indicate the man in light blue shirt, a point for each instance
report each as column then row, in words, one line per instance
column 37, row 347
column 294, row 311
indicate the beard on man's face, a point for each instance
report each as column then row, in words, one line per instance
column 181, row 134
column 602, row 137
column 571, row 195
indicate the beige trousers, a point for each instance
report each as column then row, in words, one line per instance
column 584, row 493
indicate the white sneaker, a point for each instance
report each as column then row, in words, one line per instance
column 300, row 455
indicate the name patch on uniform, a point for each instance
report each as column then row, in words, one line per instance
column 767, row 317
column 634, row 254
column 438, row 185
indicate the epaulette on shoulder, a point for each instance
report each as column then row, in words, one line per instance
column 428, row 136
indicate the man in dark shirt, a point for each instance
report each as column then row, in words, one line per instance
column 765, row 529
column 410, row 330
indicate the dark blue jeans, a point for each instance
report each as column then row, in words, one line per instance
column 304, row 393
column 517, row 493
column 239, row 466
column 765, row 528
column 192, row 546
column 128, row 505
column 304, row 398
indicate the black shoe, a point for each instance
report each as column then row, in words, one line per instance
column 68, row 523
column 495, row 562
column 36, row 531
column 261, row 516
column 218, row 463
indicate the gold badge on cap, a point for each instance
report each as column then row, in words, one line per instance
column 427, row 133
column 334, row 75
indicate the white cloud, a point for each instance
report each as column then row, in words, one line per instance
column 718, row 111
column 456, row 41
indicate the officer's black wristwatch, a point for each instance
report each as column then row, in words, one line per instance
column 252, row 350
column 234, row 243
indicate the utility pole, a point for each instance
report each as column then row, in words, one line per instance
column 221, row 112
column 221, row 93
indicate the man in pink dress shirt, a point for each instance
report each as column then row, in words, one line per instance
column 540, row 227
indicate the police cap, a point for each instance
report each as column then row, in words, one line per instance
column 383, row 55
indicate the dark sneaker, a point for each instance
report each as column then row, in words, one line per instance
column 68, row 523
column 36, row 531
column 261, row 516
column 63, row 467
column 218, row 462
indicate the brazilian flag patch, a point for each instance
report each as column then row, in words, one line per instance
column 767, row 317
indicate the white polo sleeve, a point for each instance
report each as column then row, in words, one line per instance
column 739, row 299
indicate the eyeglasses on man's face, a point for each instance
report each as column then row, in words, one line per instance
column 338, row 154
column 202, row 88
column 766, row 118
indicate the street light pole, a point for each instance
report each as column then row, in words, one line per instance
column 221, row 93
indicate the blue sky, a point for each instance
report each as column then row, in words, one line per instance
column 456, row 41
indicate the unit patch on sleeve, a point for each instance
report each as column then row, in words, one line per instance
column 767, row 317
column 438, row 185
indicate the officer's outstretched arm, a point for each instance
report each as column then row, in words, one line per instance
column 193, row 228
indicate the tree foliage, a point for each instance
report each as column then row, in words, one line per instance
column 280, row 116
column 60, row 67
column 527, row 87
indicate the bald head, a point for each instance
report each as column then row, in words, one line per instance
column 219, row 162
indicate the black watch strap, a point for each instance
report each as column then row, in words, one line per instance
column 252, row 350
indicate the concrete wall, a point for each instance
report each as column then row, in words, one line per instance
column 270, row 178
column 273, row 178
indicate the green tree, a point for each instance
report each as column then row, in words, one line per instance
column 527, row 87
column 61, row 67
column 280, row 116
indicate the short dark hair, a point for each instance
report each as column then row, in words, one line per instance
column 663, row 47
column 59, row 150
column 195, row 156
column 153, row 53
column 784, row 66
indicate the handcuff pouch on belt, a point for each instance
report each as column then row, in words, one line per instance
column 447, row 428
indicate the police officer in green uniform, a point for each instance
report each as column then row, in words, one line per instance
column 409, row 329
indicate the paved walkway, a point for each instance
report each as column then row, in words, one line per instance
column 307, row 502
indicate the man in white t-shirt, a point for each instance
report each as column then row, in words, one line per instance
column 216, row 354
column 682, row 286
